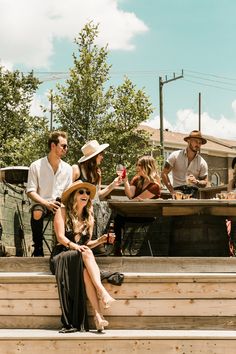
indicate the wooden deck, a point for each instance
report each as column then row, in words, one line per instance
column 118, row 341
column 165, row 305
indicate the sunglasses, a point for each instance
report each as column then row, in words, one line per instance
column 84, row 191
column 64, row 146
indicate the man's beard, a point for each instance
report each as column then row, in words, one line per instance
column 197, row 149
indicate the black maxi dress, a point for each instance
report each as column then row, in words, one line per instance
column 67, row 265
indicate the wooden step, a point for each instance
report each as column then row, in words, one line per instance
column 131, row 264
column 144, row 300
column 118, row 341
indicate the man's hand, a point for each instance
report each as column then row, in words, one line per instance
column 53, row 205
column 192, row 179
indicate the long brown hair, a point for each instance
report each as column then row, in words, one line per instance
column 149, row 167
column 72, row 218
column 92, row 171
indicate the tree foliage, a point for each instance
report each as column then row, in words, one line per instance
column 130, row 108
column 87, row 107
column 82, row 103
column 21, row 134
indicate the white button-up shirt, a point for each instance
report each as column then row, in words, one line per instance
column 178, row 160
column 42, row 180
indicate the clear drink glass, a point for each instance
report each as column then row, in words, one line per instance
column 119, row 169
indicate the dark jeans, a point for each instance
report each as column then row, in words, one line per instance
column 37, row 229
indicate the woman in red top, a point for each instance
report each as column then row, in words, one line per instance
column 145, row 185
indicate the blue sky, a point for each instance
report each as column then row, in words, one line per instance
column 147, row 39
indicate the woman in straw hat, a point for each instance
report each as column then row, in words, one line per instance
column 73, row 263
column 88, row 170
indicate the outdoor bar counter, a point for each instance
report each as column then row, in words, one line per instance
column 190, row 227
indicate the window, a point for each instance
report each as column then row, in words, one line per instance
column 215, row 180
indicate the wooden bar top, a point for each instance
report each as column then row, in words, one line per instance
column 171, row 207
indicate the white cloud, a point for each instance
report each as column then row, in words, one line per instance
column 187, row 120
column 37, row 102
column 28, row 27
column 234, row 106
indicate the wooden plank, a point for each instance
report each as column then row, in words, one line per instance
column 130, row 264
column 175, row 290
column 26, row 277
column 118, row 322
column 33, row 322
column 28, row 291
column 183, row 211
column 173, row 307
column 24, row 307
column 149, row 307
column 219, row 211
column 174, row 207
column 134, row 290
column 137, row 277
column 173, row 322
column 139, row 342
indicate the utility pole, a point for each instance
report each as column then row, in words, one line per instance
column 199, row 111
column 161, row 84
column 51, row 109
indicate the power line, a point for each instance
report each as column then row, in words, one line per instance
column 213, row 75
column 206, row 79
column 208, row 85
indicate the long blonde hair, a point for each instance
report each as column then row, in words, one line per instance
column 72, row 217
column 149, row 167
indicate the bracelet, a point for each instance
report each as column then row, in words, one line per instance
column 68, row 245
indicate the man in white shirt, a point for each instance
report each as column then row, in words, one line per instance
column 189, row 169
column 48, row 177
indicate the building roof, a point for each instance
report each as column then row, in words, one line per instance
column 174, row 140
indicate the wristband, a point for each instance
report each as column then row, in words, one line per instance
column 68, row 245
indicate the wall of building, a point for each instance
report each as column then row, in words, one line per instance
column 15, row 221
column 219, row 166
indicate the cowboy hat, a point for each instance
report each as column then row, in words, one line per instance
column 78, row 185
column 91, row 149
column 196, row 134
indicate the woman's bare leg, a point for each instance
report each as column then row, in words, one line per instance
column 94, row 273
column 100, row 322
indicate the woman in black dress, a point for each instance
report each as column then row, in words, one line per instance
column 88, row 170
column 73, row 262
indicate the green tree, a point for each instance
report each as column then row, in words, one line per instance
column 21, row 134
column 82, row 103
column 88, row 108
column 131, row 106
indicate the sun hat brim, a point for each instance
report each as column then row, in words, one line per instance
column 204, row 141
column 78, row 185
column 100, row 149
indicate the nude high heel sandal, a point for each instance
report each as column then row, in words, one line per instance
column 100, row 324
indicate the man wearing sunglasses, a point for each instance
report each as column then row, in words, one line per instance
column 48, row 177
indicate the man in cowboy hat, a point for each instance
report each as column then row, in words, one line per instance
column 189, row 169
column 48, row 177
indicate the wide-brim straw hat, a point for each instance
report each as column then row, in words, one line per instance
column 197, row 135
column 91, row 149
column 78, row 185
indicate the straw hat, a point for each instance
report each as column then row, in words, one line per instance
column 91, row 149
column 196, row 134
column 78, row 185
